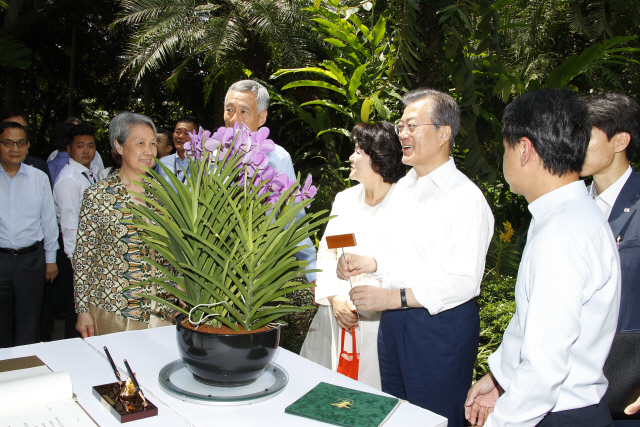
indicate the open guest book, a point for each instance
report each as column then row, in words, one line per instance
column 32, row 395
column 344, row 407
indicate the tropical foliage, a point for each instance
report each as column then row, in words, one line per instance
column 355, row 84
column 230, row 232
column 221, row 36
column 497, row 306
column 503, row 256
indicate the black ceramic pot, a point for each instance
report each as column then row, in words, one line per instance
column 227, row 360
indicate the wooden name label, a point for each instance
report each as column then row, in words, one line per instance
column 341, row 241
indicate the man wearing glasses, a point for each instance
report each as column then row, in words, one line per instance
column 28, row 239
column 431, row 266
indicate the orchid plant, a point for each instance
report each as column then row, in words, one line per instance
column 230, row 231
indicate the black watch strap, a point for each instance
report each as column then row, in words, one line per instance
column 403, row 299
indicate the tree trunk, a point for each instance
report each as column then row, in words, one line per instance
column 219, row 92
column 72, row 66
column 13, row 85
column 146, row 93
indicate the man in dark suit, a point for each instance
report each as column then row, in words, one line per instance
column 615, row 137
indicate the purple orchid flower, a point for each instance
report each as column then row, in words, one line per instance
column 255, row 147
column 307, row 192
column 194, row 147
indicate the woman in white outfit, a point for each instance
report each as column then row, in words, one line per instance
column 377, row 164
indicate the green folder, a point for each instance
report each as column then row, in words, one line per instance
column 343, row 406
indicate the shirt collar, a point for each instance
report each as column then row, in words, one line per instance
column 610, row 195
column 24, row 169
column 62, row 155
column 440, row 177
column 77, row 166
column 544, row 205
column 182, row 162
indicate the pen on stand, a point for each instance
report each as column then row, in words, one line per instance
column 113, row 365
column 135, row 382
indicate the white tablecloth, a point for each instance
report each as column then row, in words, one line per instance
column 86, row 369
column 150, row 350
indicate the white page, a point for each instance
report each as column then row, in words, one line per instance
column 59, row 414
column 35, row 391
column 23, row 373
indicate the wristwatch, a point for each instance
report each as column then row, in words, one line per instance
column 403, row 299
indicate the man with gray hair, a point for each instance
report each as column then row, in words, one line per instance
column 430, row 267
column 247, row 102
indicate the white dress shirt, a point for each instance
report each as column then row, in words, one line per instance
column 607, row 199
column 68, row 192
column 567, row 300
column 27, row 212
column 440, row 227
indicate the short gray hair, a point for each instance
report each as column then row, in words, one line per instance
column 120, row 126
column 262, row 94
column 444, row 109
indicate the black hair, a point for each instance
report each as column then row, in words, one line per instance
column 169, row 136
column 380, row 142
column 73, row 121
column 60, row 135
column 614, row 113
column 7, row 114
column 556, row 121
column 13, row 125
column 188, row 119
column 81, row 129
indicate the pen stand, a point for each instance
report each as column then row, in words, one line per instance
column 123, row 410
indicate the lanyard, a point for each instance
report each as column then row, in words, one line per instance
column 177, row 171
column 90, row 177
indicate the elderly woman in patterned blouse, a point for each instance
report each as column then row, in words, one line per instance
column 109, row 253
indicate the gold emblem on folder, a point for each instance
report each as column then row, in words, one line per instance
column 343, row 403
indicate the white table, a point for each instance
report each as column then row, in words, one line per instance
column 86, row 369
column 150, row 350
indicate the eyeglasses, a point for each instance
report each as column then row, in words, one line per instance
column 9, row 143
column 401, row 127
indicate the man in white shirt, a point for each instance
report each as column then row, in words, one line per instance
column 72, row 181
column 28, row 239
column 548, row 369
column 430, row 263
column 615, row 136
column 96, row 164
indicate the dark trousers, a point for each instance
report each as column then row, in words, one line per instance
column 626, row 423
column 428, row 360
column 590, row 416
column 59, row 299
column 22, row 279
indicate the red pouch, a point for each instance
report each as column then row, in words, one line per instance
column 349, row 362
